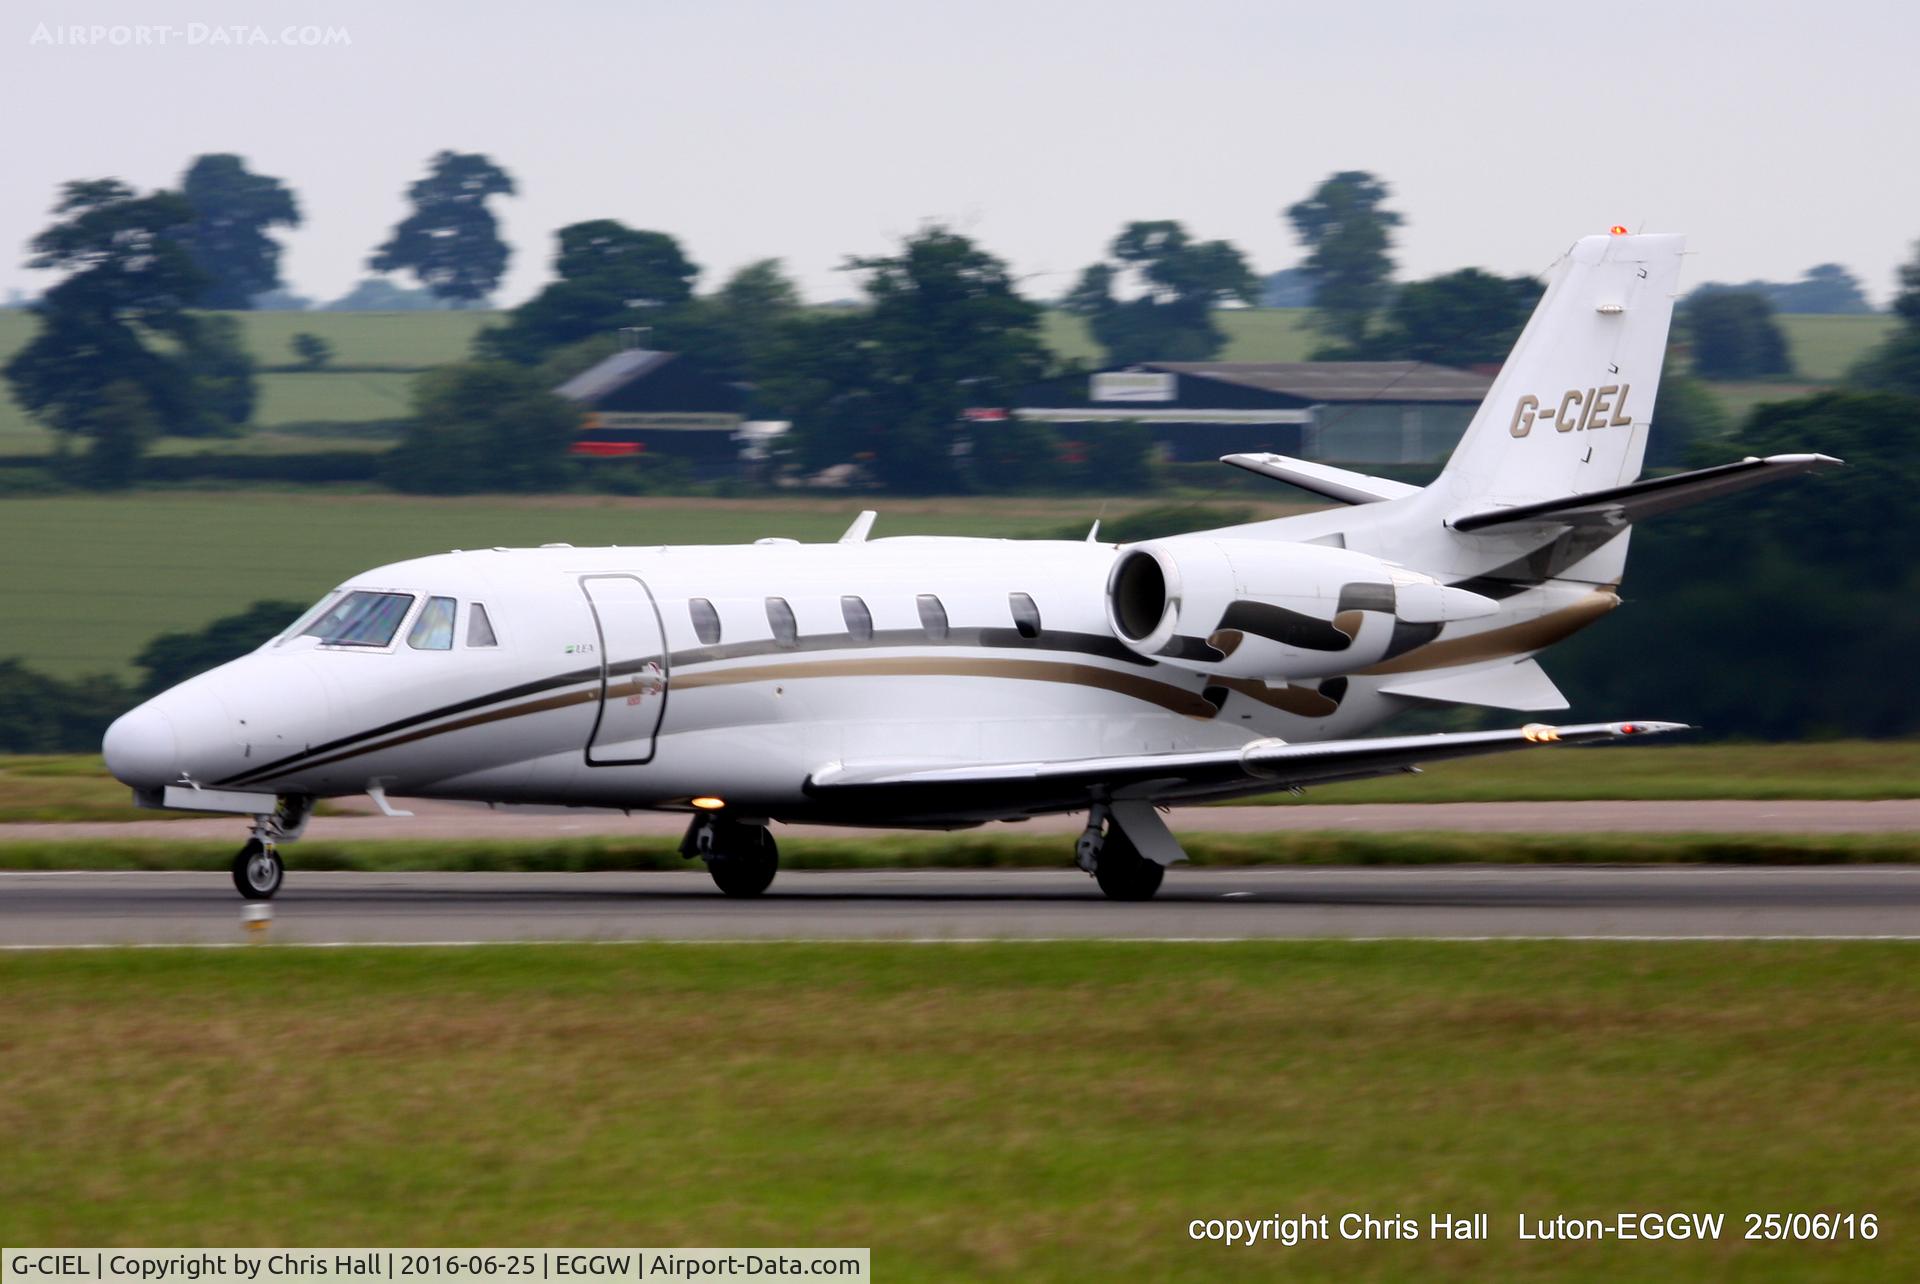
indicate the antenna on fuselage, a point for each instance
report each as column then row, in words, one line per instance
column 857, row 533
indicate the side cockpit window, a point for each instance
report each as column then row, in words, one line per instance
column 480, row 627
column 433, row 631
column 361, row 618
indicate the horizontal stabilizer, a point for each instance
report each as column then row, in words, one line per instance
column 985, row 790
column 1322, row 479
column 1500, row 685
column 1619, row 505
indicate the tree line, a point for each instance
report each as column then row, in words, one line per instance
column 131, row 344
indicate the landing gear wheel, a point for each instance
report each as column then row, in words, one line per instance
column 257, row 871
column 1123, row 873
column 744, row 859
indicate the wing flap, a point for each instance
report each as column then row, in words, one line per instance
column 1018, row 788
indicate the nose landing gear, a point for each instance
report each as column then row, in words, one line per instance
column 742, row 858
column 258, row 870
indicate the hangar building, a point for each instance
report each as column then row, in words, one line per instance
column 1349, row 412
column 639, row 401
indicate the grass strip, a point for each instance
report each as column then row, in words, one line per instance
column 939, row 851
column 1030, row 1111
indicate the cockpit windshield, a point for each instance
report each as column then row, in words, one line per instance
column 361, row 618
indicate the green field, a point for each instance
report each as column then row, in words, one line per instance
column 109, row 572
column 1031, row 1111
column 402, row 342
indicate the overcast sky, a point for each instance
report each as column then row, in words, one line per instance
column 1775, row 135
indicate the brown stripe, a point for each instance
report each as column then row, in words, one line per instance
column 1166, row 696
column 476, row 720
column 1494, row 644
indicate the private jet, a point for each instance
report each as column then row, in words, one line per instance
column 943, row 683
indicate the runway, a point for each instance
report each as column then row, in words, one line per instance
column 67, row 909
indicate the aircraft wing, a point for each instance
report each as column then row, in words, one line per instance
column 1012, row 787
column 1619, row 505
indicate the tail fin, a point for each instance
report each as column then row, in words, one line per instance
column 1570, row 410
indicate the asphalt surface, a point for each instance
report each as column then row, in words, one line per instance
column 1528, row 901
column 439, row 820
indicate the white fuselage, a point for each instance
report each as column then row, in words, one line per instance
column 600, row 691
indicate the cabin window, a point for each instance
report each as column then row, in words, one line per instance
column 433, row 631
column 786, row 630
column 361, row 618
column 933, row 617
column 706, row 621
column 480, row 627
column 1026, row 614
column 859, row 619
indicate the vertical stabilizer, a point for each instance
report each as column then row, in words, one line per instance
column 1570, row 409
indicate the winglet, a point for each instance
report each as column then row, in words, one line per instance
column 857, row 533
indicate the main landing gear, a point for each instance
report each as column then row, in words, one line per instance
column 1116, row 863
column 257, row 868
column 742, row 857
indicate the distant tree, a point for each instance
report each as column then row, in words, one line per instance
column 1461, row 319
column 611, row 276
column 41, row 714
column 1752, row 595
column 280, row 300
column 1288, row 288
column 1736, row 337
column 1894, row 366
column 172, row 658
column 483, row 426
column 1688, row 424
column 128, row 281
column 944, row 329
column 214, row 356
column 1122, row 459
column 227, row 236
column 119, row 427
column 1906, row 304
column 451, row 242
column 1828, row 289
column 1154, row 297
column 736, row 330
column 313, row 351
column 377, row 294
column 1348, row 236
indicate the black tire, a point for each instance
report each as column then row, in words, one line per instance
column 1123, row 873
column 258, row 871
column 745, row 862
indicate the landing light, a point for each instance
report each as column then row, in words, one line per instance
column 709, row 804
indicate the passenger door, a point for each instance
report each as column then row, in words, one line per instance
column 633, row 670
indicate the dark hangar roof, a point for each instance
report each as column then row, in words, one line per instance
column 1328, row 381
column 613, row 373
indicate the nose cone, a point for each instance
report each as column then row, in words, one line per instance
column 141, row 749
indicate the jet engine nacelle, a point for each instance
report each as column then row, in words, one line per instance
column 1275, row 611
